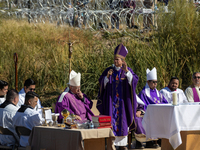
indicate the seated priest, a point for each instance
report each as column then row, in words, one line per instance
column 7, row 112
column 149, row 94
column 193, row 92
column 173, row 88
column 3, row 90
column 29, row 85
column 74, row 100
column 27, row 116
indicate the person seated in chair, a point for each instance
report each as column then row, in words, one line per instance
column 173, row 88
column 29, row 85
column 193, row 92
column 27, row 116
column 150, row 95
column 7, row 112
column 74, row 100
column 3, row 90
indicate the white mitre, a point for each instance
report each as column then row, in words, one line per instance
column 151, row 75
column 74, row 78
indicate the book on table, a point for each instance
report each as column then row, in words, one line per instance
column 101, row 118
column 103, row 127
column 101, row 124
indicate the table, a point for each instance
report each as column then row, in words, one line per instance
column 167, row 121
column 57, row 138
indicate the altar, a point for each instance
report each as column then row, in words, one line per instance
column 178, row 126
column 58, row 138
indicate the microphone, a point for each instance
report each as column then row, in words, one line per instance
column 113, row 66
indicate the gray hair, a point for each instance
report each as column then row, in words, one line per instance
column 195, row 74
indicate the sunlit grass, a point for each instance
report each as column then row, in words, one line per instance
column 43, row 52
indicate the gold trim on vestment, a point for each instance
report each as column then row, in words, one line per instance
column 133, row 110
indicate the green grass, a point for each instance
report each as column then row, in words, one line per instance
column 43, row 52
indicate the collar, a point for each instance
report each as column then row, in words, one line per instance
column 2, row 96
column 71, row 92
column 24, row 107
column 67, row 89
column 197, row 87
column 117, row 68
column 6, row 103
column 76, row 96
column 147, row 90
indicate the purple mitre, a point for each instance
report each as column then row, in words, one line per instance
column 121, row 51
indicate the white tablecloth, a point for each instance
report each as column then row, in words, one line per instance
column 166, row 121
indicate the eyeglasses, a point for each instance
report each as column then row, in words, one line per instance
column 195, row 77
column 76, row 87
column 31, row 89
column 154, row 81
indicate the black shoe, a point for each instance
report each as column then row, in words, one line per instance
column 156, row 146
column 149, row 144
column 139, row 145
column 123, row 148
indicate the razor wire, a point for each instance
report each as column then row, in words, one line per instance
column 106, row 15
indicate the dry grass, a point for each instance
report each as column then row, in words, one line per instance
column 43, row 52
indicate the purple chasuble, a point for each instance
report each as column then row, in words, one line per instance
column 139, row 129
column 118, row 100
column 154, row 96
column 195, row 95
column 154, row 99
column 73, row 103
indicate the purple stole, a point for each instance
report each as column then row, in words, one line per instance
column 195, row 95
column 117, row 103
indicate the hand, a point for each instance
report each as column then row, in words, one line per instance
column 78, row 117
column 80, row 94
column 124, row 66
column 110, row 72
column 131, row 7
column 138, row 113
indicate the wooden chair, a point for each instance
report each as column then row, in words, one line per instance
column 94, row 108
column 22, row 131
column 5, row 131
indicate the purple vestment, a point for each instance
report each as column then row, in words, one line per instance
column 154, row 99
column 118, row 100
column 195, row 95
column 75, row 105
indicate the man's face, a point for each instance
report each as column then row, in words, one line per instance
column 75, row 89
column 4, row 90
column 173, row 85
column 152, row 84
column 33, row 102
column 118, row 62
column 30, row 88
column 196, row 79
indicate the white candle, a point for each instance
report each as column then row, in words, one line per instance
column 174, row 98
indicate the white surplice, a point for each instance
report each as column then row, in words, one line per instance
column 167, row 93
column 189, row 93
column 2, row 99
column 29, row 118
column 22, row 95
column 6, row 121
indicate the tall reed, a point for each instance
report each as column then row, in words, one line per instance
column 43, row 52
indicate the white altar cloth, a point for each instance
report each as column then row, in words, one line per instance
column 166, row 121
